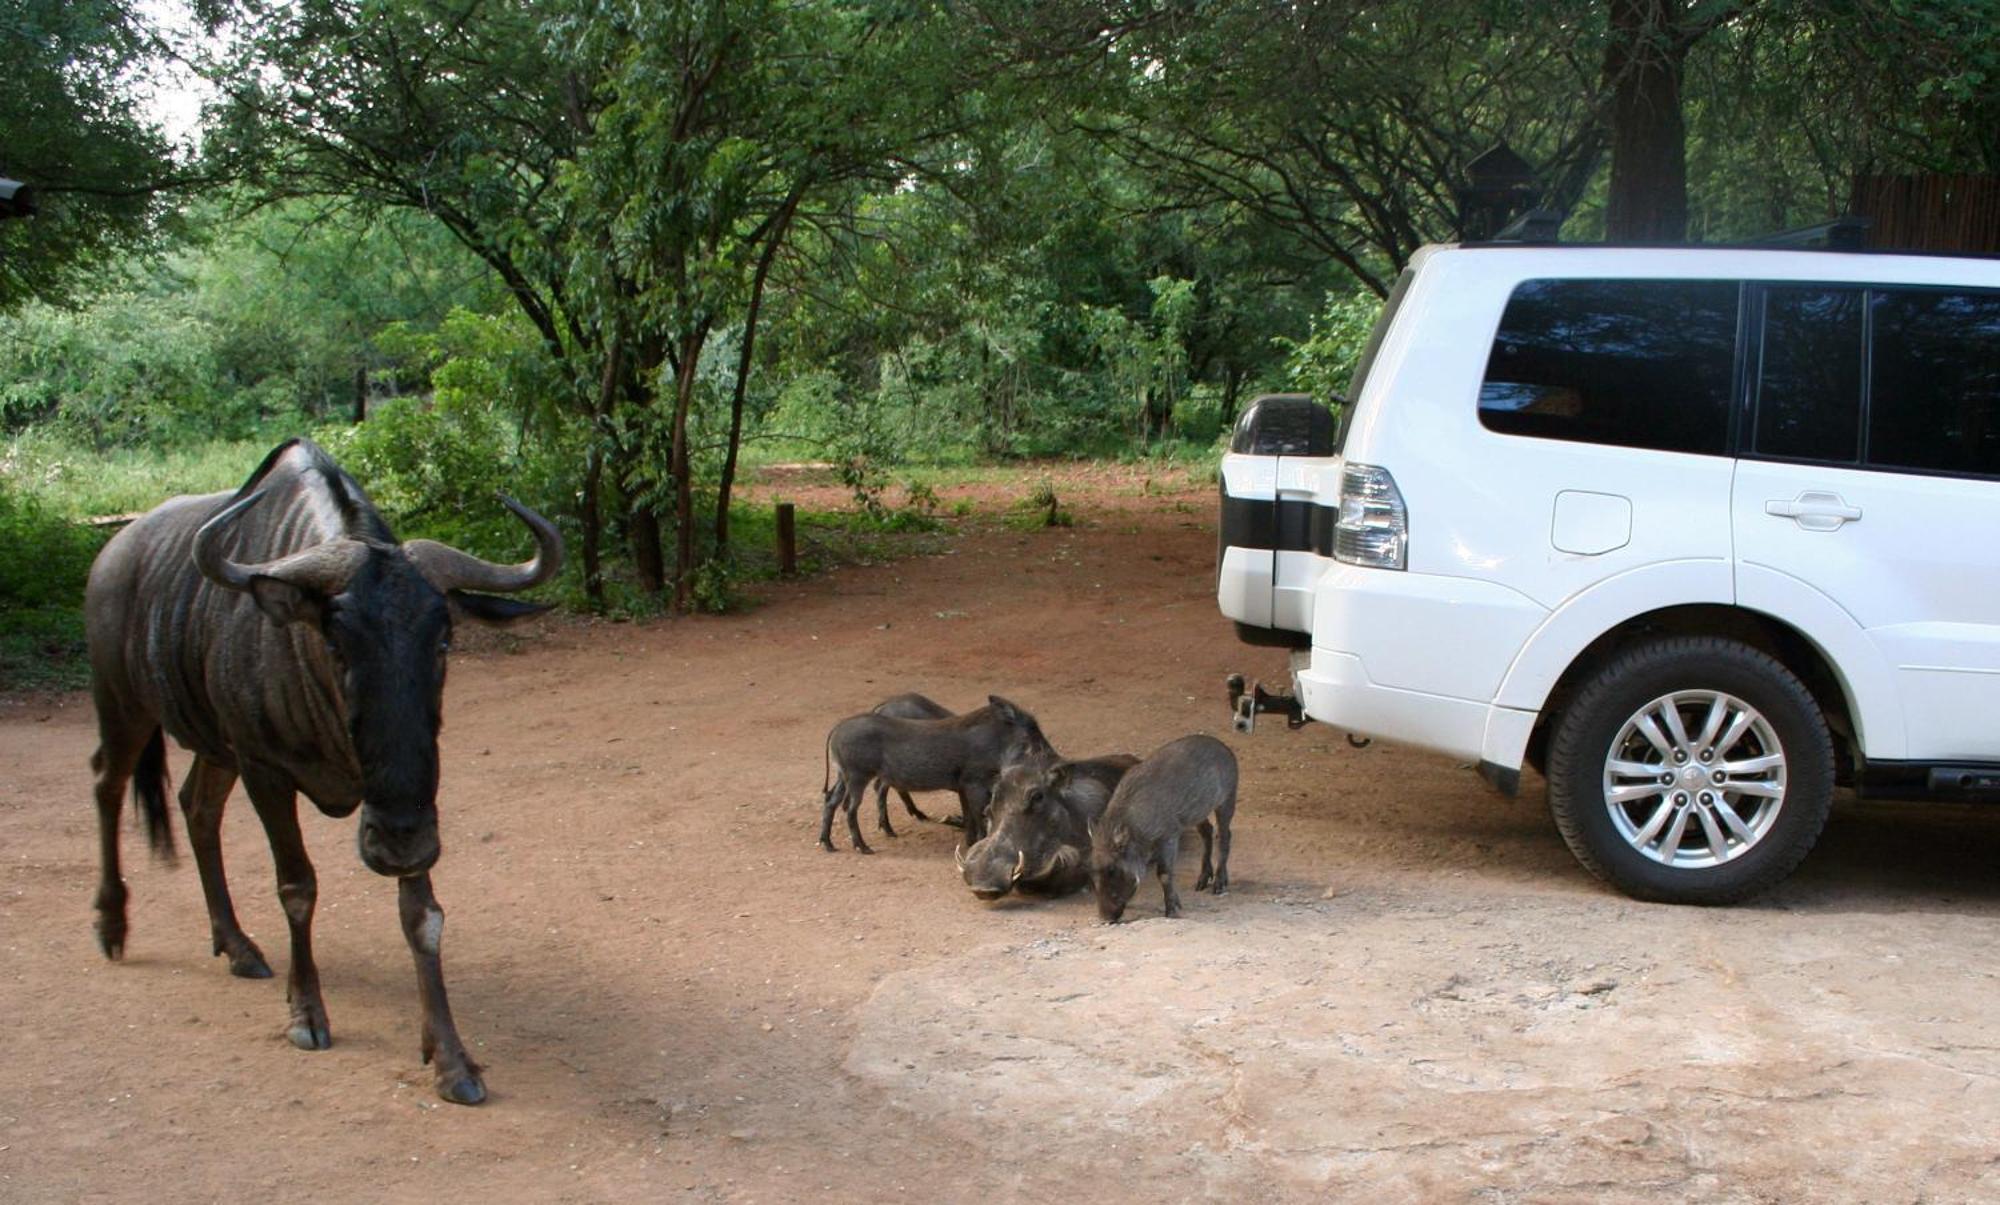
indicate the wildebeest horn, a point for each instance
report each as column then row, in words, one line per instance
column 958, row 854
column 1020, row 865
column 324, row 568
column 447, row 568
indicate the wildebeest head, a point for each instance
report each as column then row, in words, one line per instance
column 1033, row 835
column 383, row 614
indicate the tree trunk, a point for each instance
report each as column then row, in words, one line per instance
column 1232, row 385
column 743, row 362
column 1643, row 61
column 593, row 473
column 684, row 381
column 360, row 392
column 642, row 517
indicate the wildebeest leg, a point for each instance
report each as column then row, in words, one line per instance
column 1223, row 815
column 1164, row 866
column 203, row 793
column 1207, row 832
column 120, row 742
column 276, row 801
column 423, row 927
column 882, row 806
column 853, row 806
column 835, row 794
column 909, row 806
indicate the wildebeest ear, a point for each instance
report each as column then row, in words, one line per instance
column 491, row 608
column 283, row 603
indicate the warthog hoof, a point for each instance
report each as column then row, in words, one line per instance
column 465, row 1088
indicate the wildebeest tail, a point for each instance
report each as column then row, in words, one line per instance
column 149, row 792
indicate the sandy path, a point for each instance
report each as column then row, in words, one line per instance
column 1412, row 992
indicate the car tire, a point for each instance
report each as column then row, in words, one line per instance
column 1691, row 770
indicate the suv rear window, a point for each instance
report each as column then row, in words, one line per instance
column 1634, row 363
column 1934, row 384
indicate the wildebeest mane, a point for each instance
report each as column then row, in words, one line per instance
column 359, row 518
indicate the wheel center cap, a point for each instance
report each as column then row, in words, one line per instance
column 1694, row 776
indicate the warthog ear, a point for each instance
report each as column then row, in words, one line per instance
column 488, row 608
column 283, row 603
column 1007, row 711
column 1058, row 779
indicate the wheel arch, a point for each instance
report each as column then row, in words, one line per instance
column 1787, row 643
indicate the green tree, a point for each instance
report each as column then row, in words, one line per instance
column 69, row 128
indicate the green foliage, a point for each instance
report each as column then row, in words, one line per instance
column 44, row 561
column 70, row 128
column 1323, row 363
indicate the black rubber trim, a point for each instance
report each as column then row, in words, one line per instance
column 1285, row 526
column 1503, row 780
column 1272, row 638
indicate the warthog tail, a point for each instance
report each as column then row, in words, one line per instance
column 149, row 792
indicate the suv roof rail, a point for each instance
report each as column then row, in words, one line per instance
column 1534, row 226
column 1848, row 232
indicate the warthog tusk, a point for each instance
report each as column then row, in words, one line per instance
column 958, row 854
column 1020, row 865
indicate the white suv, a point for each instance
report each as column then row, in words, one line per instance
column 1701, row 533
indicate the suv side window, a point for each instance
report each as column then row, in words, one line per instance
column 1809, row 374
column 1934, row 388
column 1635, row 363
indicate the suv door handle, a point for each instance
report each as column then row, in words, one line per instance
column 1815, row 510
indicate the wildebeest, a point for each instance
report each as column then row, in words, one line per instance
column 1181, row 784
column 284, row 636
column 963, row 753
column 1038, row 827
column 909, row 706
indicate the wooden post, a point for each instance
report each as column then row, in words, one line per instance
column 788, row 547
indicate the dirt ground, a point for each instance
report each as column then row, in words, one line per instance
column 1411, row 993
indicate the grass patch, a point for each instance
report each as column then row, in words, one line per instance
column 44, row 562
column 77, row 483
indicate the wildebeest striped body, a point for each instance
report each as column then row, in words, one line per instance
column 284, row 636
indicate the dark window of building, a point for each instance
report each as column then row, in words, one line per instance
column 1934, row 392
column 1809, row 374
column 1637, row 363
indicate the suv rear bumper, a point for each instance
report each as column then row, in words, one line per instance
column 1439, row 649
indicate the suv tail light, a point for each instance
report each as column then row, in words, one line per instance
column 1374, row 527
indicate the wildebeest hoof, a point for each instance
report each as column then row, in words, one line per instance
column 863, row 849
column 247, row 962
column 249, row 965
column 113, row 947
column 462, row 1089
column 826, row 845
column 953, row 821
column 310, row 1035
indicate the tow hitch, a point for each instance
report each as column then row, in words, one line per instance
column 1248, row 702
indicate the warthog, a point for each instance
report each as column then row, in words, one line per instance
column 1182, row 784
column 911, row 706
column 1038, row 827
column 963, row 753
